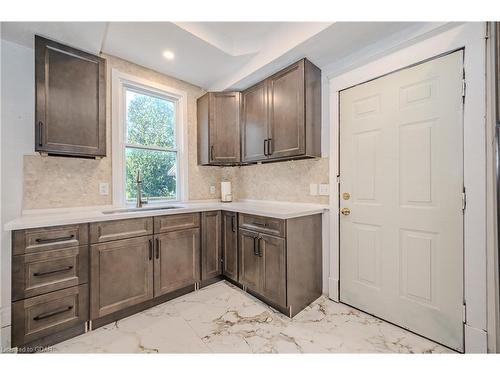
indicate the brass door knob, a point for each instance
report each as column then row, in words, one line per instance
column 346, row 196
column 345, row 211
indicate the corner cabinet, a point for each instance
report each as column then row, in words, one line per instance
column 230, row 245
column 211, row 258
column 219, row 128
column 70, row 101
column 281, row 117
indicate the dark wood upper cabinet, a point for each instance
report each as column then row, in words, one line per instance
column 70, row 101
column 281, row 117
column 254, row 133
column 230, row 245
column 219, row 128
column 211, row 245
column 286, row 113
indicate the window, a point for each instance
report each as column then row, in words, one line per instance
column 147, row 121
column 150, row 146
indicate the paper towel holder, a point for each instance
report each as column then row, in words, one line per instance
column 225, row 192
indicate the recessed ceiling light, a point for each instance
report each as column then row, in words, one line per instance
column 169, row 55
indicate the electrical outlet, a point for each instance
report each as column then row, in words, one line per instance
column 324, row 189
column 212, row 189
column 103, row 188
column 313, row 189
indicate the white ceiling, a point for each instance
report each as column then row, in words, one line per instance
column 216, row 55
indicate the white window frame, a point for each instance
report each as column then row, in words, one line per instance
column 120, row 82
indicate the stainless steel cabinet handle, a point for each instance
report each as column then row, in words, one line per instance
column 233, row 223
column 212, row 152
column 150, row 249
column 255, row 250
column 52, row 272
column 48, row 315
column 259, row 253
column 265, row 147
column 157, row 248
column 269, row 148
column 57, row 239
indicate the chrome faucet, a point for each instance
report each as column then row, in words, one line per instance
column 139, row 202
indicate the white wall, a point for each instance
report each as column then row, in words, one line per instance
column 17, row 139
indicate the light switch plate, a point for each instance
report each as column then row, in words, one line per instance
column 103, row 188
column 324, row 189
column 313, row 189
column 212, row 189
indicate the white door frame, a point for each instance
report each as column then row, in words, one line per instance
column 469, row 36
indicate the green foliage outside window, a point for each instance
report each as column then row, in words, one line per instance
column 150, row 122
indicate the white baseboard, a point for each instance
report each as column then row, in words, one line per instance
column 333, row 289
column 475, row 340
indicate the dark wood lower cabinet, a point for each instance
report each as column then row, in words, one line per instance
column 277, row 260
column 285, row 271
column 121, row 274
column 250, row 263
column 230, row 245
column 211, row 245
column 273, row 263
column 48, row 314
column 177, row 260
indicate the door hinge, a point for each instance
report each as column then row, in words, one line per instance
column 464, row 200
column 464, row 87
column 487, row 31
column 338, row 179
column 464, row 313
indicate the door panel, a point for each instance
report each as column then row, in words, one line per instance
column 121, row 275
column 230, row 245
column 401, row 160
column 225, row 127
column 250, row 263
column 177, row 260
column 211, row 246
column 286, row 112
column 254, row 123
column 272, row 252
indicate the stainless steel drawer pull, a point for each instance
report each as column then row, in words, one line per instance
column 52, row 272
column 57, row 239
column 48, row 315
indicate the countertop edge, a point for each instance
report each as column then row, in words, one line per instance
column 74, row 216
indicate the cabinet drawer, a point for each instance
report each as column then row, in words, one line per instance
column 120, row 229
column 39, row 273
column 263, row 224
column 49, row 238
column 170, row 223
column 37, row 317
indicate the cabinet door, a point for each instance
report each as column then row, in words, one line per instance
column 121, row 274
column 250, row 264
column 230, row 245
column 254, row 123
column 224, row 127
column 287, row 131
column 70, row 100
column 211, row 245
column 272, row 252
column 177, row 260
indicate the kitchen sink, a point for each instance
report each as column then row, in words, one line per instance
column 142, row 209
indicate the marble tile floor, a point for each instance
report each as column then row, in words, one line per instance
column 222, row 318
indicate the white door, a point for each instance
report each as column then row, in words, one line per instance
column 401, row 162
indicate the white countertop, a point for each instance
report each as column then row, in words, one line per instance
column 52, row 217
